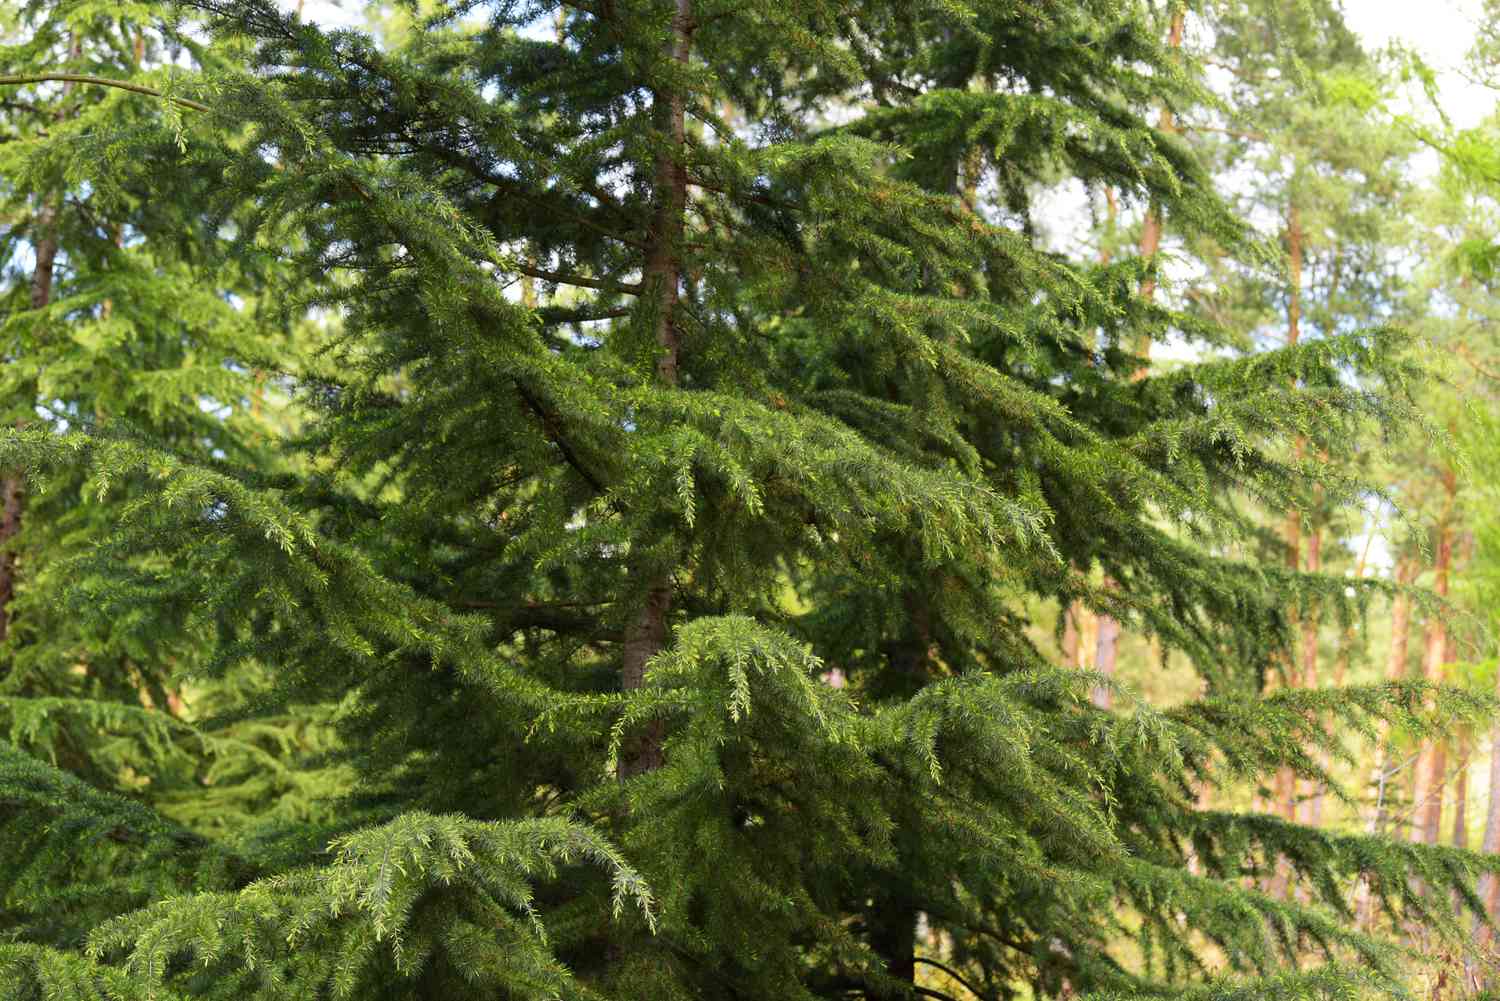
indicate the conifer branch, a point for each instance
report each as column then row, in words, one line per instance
column 19, row 79
column 952, row 973
column 931, row 993
column 555, row 435
column 563, row 278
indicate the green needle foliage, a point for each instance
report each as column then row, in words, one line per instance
column 649, row 362
column 121, row 321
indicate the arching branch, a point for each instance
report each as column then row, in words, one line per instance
column 14, row 80
column 952, row 973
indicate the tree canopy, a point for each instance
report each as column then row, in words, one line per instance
column 542, row 500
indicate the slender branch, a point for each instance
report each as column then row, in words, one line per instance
column 1231, row 133
column 928, row 992
column 629, row 288
column 18, row 79
column 952, row 973
column 552, row 316
column 1462, row 350
column 549, row 423
column 758, row 199
column 22, row 106
column 476, row 171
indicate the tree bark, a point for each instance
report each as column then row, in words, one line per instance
column 1427, row 796
column 1151, row 229
column 893, row 936
column 13, row 483
column 1310, row 808
column 1340, row 673
column 1461, row 787
column 894, row 915
column 1106, row 654
column 646, row 634
column 1432, row 816
column 1286, row 779
column 1395, row 670
column 1489, row 886
column 1070, row 634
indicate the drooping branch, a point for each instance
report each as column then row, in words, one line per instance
column 20, row 79
column 952, row 973
column 554, row 434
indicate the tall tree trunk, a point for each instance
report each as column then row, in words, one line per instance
column 893, row 917
column 1070, row 633
column 1106, row 654
column 1310, row 622
column 1489, row 885
column 1427, row 796
column 1395, row 670
column 1340, row 673
column 1461, row 787
column 1103, row 627
column 1286, row 780
column 1307, row 808
column 13, row 483
column 646, row 634
column 1151, row 228
column 893, row 936
column 1432, row 816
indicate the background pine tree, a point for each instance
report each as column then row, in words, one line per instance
column 664, row 359
column 118, row 327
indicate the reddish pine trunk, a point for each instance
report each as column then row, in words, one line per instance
column 1286, row 780
column 1395, row 670
column 1433, row 816
column 646, row 634
column 1340, row 673
column 1489, row 886
column 644, row 638
column 1310, row 622
column 1427, row 796
column 1311, row 808
column 1070, row 634
column 12, row 484
column 1151, row 228
column 1461, row 787
column 1106, row 655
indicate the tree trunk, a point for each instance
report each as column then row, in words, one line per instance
column 644, row 638
column 646, row 634
column 1395, row 670
column 1489, row 886
column 1310, row 622
column 1311, row 807
column 893, row 916
column 1427, row 796
column 1286, row 779
column 1461, row 787
column 1432, row 816
column 13, row 483
column 1070, row 634
column 1151, row 228
column 1340, row 673
column 1106, row 655
column 893, row 936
